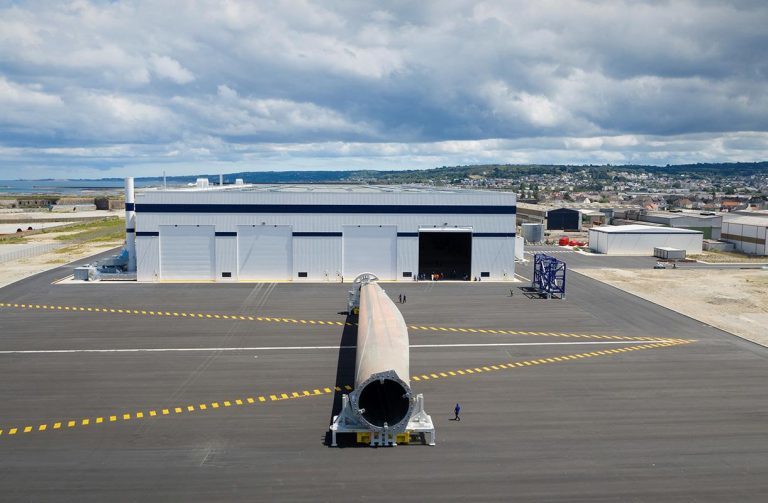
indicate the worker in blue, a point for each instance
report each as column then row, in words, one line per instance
column 456, row 411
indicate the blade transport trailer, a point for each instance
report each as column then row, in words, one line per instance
column 381, row 409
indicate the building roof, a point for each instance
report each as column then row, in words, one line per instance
column 761, row 221
column 326, row 189
column 697, row 214
column 641, row 229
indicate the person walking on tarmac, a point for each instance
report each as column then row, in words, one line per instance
column 456, row 411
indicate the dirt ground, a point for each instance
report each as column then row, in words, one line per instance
column 13, row 271
column 727, row 258
column 732, row 300
column 91, row 243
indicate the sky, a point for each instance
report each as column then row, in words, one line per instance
column 101, row 89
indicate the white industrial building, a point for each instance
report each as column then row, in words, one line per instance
column 321, row 233
column 642, row 239
column 749, row 234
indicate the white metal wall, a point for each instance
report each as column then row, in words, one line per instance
column 407, row 257
column 147, row 258
column 369, row 248
column 317, row 241
column 226, row 258
column 643, row 244
column 264, row 252
column 187, row 252
column 751, row 233
column 495, row 256
column 317, row 256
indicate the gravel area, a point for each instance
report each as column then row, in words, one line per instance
column 733, row 300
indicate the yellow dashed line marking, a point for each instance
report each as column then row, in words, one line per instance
column 219, row 316
column 650, row 343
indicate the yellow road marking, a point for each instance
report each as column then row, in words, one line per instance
column 284, row 396
column 219, row 316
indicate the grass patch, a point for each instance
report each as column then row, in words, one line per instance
column 7, row 240
column 90, row 231
column 69, row 249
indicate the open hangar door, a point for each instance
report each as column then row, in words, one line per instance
column 264, row 252
column 445, row 253
column 369, row 248
column 187, row 252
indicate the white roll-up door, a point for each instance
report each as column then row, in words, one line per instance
column 370, row 248
column 265, row 252
column 187, row 252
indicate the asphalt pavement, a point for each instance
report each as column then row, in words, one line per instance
column 212, row 392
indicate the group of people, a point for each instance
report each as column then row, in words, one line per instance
column 402, row 299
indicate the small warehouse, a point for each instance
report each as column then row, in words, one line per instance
column 642, row 239
column 707, row 222
column 554, row 219
column 749, row 234
column 322, row 233
column 564, row 219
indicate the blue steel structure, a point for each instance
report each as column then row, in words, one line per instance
column 548, row 276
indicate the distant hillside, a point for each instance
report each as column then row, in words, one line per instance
column 448, row 174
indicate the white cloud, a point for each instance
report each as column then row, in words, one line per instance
column 168, row 68
column 13, row 94
column 406, row 84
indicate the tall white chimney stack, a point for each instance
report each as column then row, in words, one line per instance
column 130, row 224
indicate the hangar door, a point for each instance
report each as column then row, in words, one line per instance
column 369, row 248
column 187, row 252
column 564, row 219
column 264, row 252
column 445, row 253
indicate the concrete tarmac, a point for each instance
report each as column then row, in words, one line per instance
column 676, row 422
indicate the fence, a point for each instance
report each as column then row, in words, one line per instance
column 27, row 251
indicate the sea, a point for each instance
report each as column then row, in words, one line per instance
column 69, row 187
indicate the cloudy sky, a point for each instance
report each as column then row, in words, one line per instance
column 92, row 89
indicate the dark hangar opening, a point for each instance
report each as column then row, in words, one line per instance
column 445, row 255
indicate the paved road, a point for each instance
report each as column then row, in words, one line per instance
column 683, row 422
column 576, row 260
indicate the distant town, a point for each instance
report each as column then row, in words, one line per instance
column 706, row 187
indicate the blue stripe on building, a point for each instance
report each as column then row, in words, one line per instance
column 130, row 206
column 317, row 234
column 339, row 234
column 327, row 208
